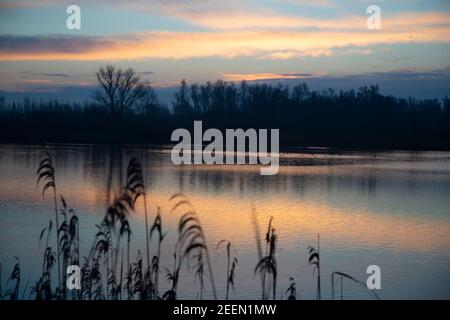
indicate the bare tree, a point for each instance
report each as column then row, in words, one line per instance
column 119, row 89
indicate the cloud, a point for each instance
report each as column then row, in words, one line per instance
column 264, row 19
column 35, row 81
column 259, row 34
column 407, row 75
column 224, row 44
column 145, row 73
column 47, row 44
column 158, row 4
column 290, row 54
column 245, row 16
column 315, row 3
column 237, row 77
column 43, row 74
column 252, row 14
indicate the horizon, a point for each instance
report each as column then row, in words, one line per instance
column 431, row 88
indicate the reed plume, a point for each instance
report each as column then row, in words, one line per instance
column 157, row 227
column 46, row 173
column 292, row 290
column 69, row 237
column 268, row 263
column 231, row 265
column 135, row 188
column 191, row 238
column 314, row 260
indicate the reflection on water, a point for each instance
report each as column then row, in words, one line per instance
column 391, row 209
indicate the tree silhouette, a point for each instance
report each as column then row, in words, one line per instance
column 119, row 89
column 362, row 118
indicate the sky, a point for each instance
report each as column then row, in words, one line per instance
column 325, row 43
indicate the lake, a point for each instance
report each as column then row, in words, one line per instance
column 386, row 208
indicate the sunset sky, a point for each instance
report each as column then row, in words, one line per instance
column 323, row 42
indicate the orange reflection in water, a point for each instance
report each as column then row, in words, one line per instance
column 228, row 217
column 297, row 222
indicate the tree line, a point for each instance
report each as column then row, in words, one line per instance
column 126, row 110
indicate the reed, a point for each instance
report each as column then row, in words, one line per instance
column 96, row 277
column 103, row 249
column 231, row 264
column 314, row 260
column 292, row 290
column 343, row 276
column 157, row 227
column 191, row 238
column 42, row 290
column 86, row 280
column 268, row 263
column 14, row 277
column 46, row 173
column 125, row 230
column 69, row 237
column 138, row 278
column 135, row 186
column 172, row 277
column 102, row 277
column 199, row 269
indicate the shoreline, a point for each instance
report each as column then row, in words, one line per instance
column 283, row 149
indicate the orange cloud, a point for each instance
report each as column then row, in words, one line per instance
column 263, row 44
column 260, row 19
column 237, row 77
column 289, row 54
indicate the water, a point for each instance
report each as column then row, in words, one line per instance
column 391, row 209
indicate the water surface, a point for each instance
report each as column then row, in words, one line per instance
column 391, row 209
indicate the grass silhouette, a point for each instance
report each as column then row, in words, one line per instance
column 107, row 272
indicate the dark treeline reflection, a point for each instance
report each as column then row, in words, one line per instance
column 303, row 173
column 361, row 118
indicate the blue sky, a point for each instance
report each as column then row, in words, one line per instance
column 201, row 40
